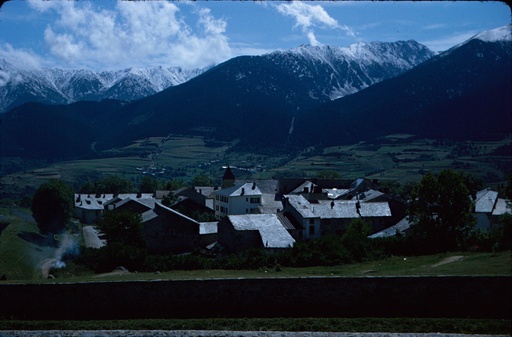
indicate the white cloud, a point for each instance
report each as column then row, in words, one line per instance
column 5, row 77
column 19, row 57
column 448, row 42
column 133, row 34
column 308, row 16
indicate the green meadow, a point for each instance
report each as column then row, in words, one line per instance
column 398, row 158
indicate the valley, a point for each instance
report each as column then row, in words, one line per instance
column 397, row 158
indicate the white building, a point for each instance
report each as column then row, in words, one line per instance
column 89, row 207
column 241, row 199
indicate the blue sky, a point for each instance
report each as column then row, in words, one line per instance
column 107, row 34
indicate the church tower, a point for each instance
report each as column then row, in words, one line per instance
column 228, row 179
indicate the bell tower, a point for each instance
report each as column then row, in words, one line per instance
column 228, row 179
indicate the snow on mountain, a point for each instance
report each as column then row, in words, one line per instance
column 20, row 84
column 347, row 70
column 496, row 35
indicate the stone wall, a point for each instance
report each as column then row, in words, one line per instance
column 482, row 297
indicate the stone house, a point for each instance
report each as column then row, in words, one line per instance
column 168, row 231
column 237, row 233
column 332, row 217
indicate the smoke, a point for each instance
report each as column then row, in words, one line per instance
column 68, row 246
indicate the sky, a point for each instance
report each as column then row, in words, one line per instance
column 113, row 35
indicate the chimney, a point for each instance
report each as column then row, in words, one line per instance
column 332, row 204
column 243, row 191
column 253, row 185
column 306, row 189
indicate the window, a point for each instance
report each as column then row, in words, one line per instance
column 255, row 200
column 311, row 230
column 311, row 221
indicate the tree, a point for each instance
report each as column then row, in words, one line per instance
column 52, row 206
column 173, row 185
column 201, row 180
column 148, row 185
column 440, row 212
column 328, row 174
column 122, row 227
column 111, row 184
column 508, row 188
column 355, row 241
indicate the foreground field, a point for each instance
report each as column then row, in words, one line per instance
column 23, row 251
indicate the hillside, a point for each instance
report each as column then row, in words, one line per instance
column 239, row 99
column 286, row 98
column 462, row 94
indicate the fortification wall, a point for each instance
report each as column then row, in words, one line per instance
column 483, row 297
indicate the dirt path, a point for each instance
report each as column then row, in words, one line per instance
column 448, row 260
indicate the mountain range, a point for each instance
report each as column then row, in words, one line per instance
column 304, row 96
column 20, row 84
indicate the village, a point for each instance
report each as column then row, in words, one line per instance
column 269, row 214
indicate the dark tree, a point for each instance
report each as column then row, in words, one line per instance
column 122, row 227
column 355, row 241
column 328, row 174
column 508, row 187
column 52, row 206
column 201, row 180
column 173, row 185
column 148, row 185
column 440, row 212
column 111, row 184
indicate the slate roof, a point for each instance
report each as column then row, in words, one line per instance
column 300, row 189
column 271, row 230
column 266, row 186
column 369, row 195
column 246, row 188
column 335, row 193
column 207, row 191
column 208, row 228
column 485, row 201
column 331, row 209
column 503, row 206
column 301, row 205
column 400, row 227
column 138, row 206
column 93, row 202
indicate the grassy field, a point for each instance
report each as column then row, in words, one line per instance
column 405, row 159
column 400, row 158
column 23, row 250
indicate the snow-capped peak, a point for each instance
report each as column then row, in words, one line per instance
column 494, row 35
column 19, row 84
